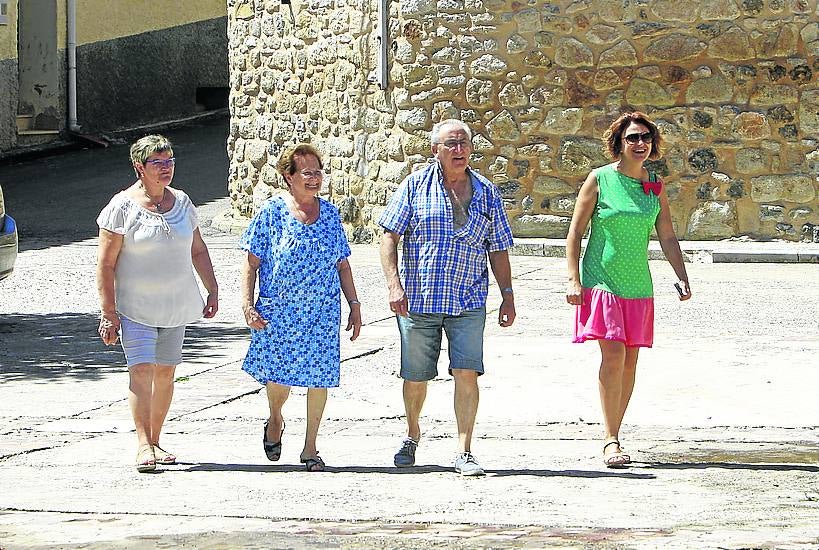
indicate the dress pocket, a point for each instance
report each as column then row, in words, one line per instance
column 269, row 306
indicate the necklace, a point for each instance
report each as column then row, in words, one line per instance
column 305, row 215
column 157, row 204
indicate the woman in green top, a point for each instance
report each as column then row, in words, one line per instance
column 614, row 293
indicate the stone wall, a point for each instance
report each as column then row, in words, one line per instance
column 731, row 83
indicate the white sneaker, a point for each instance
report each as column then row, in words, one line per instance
column 467, row 465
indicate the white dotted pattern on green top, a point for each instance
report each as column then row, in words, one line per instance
column 616, row 257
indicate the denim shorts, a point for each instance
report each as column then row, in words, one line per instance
column 154, row 345
column 421, row 342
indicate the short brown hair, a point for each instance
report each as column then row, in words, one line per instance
column 287, row 162
column 614, row 135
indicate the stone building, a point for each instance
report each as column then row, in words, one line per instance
column 137, row 61
column 731, row 83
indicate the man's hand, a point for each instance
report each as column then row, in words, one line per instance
column 398, row 301
column 354, row 320
column 506, row 313
column 389, row 263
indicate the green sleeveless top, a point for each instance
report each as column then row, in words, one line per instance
column 616, row 257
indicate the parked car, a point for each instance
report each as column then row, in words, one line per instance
column 8, row 240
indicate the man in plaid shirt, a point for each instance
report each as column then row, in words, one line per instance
column 451, row 219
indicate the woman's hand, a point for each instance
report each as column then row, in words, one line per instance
column 109, row 328
column 574, row 293
column 253, row 318
column 211, row 305
column 354, row 320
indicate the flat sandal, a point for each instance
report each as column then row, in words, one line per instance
column 618, row 459
column 145, row 460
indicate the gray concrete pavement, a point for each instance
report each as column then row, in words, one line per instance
column 723, row 424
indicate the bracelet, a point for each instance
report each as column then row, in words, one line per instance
column 508, row 290
column 353, row 302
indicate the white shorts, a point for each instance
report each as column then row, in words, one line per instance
column 153, row 345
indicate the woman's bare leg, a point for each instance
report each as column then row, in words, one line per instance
column 316, row 400
column 161, row 399
column 277, row 394
column 140, row 391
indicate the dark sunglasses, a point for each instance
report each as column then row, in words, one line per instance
column 646, row 137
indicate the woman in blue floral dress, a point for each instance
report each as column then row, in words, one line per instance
column 297, row 246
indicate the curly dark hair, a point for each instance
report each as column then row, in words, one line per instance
column 614, row 135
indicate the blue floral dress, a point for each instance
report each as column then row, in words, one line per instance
column 299, row 296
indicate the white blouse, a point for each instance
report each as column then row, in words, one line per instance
column 154, row 278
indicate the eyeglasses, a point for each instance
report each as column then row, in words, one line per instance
column 646, row 137
column 455, row 143
column 311, row 174
column 161, row 163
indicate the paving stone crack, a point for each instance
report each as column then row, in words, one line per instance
column 223, row 402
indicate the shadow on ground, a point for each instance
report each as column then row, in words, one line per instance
column 429, row 469
column 734, row 466
column 56, row 199
column 66, row 345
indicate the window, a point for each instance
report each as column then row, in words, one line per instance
column 4, row 8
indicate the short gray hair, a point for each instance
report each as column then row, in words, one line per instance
column 435, row 134
column 146, row 146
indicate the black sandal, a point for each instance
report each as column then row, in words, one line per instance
column 617, row 459
column 313, row 463
column 272, row 450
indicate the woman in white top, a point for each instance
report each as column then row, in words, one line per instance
column 149, row 246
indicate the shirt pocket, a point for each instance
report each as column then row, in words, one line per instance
column 476, row 231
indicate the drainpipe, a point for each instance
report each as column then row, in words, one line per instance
column 71, row 17
column 382, row 71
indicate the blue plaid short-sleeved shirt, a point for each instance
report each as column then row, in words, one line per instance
column 445, row 270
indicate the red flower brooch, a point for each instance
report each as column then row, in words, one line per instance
column 653, row 186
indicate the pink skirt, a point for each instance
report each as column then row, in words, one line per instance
column 604, row 316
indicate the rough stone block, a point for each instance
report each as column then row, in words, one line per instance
column 809, row 113
column 413, row 8
column 578, row 155
column 715, row 89
column 562, row 121
column 503, row 127
column 621, row 55
column 647, row 92
column 487, row 66
column 712, row 220
column 551, row 186
column 673, row 47
column 571, row 53
column 788, row 187
column 540, row 225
